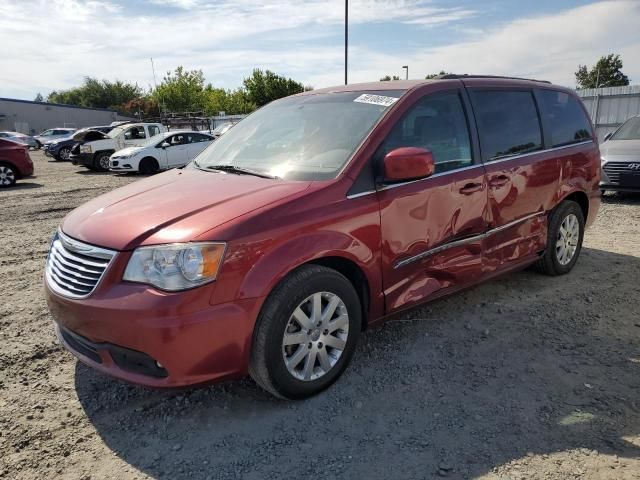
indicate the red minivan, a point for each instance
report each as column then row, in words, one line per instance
column 15, row 162
column 316, row 217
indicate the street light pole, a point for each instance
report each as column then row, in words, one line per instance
column 406, row 67
column 346, row 37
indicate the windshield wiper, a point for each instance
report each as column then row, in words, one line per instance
column 239, row 170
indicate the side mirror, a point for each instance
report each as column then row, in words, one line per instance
column 408, row 163
column 165, row 145
column 608, row 136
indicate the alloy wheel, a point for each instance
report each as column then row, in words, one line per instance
column 567, row 241
column 7, row 176
column 65, row 153
column 104, row 162
column 315, row 336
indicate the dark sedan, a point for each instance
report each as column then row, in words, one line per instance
column 61, row 149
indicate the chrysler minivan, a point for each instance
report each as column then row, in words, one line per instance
column 319, row 216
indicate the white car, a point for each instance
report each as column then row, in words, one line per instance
column 164, row 151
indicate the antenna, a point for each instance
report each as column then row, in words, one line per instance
column 155, row 84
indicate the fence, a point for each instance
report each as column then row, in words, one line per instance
column 610, row 107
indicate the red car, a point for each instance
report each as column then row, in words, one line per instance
column 319, row 216
column 15, row 162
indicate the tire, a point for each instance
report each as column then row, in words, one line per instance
column 563, row 250
column 294, row 298
column 38, row 145
column 8, row 175
column 64, row 154
column 101, row 162
column 148, row 166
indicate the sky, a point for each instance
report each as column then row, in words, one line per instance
column 50, row 45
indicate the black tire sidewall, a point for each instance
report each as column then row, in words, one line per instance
column 15, row 175
column 278, row 314
column 565, row 209
column 148, row 166
column 96, row 163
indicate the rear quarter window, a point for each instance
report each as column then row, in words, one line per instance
column 564, row 118
column 508, row 122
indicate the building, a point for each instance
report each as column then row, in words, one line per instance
column 33, row 117
column 609, row 107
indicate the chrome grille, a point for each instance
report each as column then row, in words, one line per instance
column 614, row 169
column 74, row 268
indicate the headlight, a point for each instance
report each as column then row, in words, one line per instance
column 177, row 266
column 85, row 148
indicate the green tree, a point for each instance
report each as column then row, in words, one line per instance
column 182, row 91
column 434, row 75
column 607, row 72
column 264, row 87
column 387, row 78
column 97, row 93
column 38, row 98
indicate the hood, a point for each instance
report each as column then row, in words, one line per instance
column 89, row 136
column 175, row 206
column 126, row 151
column 621, row 150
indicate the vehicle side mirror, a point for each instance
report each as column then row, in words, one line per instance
column 608, row 136
column 165, row 145
column 408, row 163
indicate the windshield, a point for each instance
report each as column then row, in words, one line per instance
column 308, row 137
column 154, row 140
column 630, row 130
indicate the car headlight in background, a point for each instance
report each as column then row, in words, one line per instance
column 177, row 266
column 85, row 148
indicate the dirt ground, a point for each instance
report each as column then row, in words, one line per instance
column 526, row 377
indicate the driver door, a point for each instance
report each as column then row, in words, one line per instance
column 176, row 152
column 432, row 228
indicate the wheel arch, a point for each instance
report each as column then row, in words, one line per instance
column 13, row 166
column 581, row 198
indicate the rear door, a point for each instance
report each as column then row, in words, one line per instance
column 522, row 176
column 177, row 150
column 432, row 228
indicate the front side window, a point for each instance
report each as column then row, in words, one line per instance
column 46, row 133
column 563, row 118
column 134, row 133
column 630, row 130
column 508, row 123
column 437, row 123
column 307, row 137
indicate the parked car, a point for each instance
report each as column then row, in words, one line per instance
column 15, row 162
column 621, row 158
column 52, row 134
column 317, row 216
column 164, row 151
column 94, row 154
column 60, row 149
column 27, row 140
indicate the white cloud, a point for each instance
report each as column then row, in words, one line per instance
column 52, row 44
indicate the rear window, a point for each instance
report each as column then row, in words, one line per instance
column 508, row 123
column 564, row 118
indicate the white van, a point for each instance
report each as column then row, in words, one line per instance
column 94, row 154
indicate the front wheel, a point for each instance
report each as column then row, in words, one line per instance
column 306, row 333
column 64, row 154
column 7, row 176
column 148, row 166
column 101, row 162
column 564, row 239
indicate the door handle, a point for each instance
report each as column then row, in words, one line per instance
column 498, row 181
column 470, row 188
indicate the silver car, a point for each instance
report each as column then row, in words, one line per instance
column 53, row 134
column 20, row 138
column 620, row 154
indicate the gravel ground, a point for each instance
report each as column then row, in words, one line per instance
column 525, row 377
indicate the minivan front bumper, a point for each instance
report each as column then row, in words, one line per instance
column 156, row 339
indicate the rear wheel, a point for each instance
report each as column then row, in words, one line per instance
column 101, row 161
column 306, row 333
column 564, row 239
column 64, row 154
column 148, row 165
column 7, row 175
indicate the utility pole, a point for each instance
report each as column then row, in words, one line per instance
column 346, row 38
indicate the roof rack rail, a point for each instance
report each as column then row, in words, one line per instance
column 454, row 76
